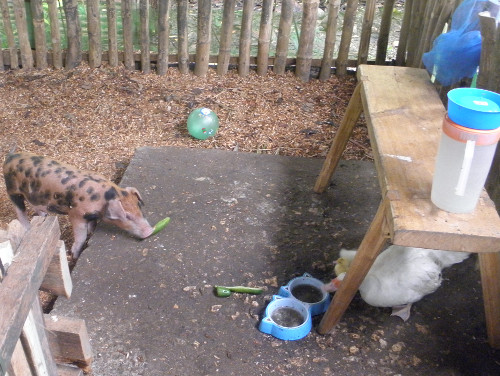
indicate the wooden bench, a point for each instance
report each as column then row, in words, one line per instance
column 404, row 116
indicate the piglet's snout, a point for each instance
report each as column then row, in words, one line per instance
column 142, row 229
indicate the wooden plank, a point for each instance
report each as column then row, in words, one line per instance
column 283, row 36
column 145, row 40
column 203, row 38
column 14, row 62
column 163, row 36
column 65, row 370
column 366, row 31
column 31, row 263
column 245, row 38
column 405, row 140
column 182, row 33
column 226, row 37
column 373, row 242
column 69, row 341
column 264, row 37
column 128, row 40
column 353, row 111
column 35, row 343
column 55, row 34
column 330, row 37
column 490, row 282
column 19, row 365
column 57, row 280
column 306, row 40
column 16, row 233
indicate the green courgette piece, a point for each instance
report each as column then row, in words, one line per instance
column 225, row 291
column 160, row 225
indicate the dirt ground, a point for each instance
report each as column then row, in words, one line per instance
column 96, row 118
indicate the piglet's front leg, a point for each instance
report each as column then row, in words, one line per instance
column 80, row 233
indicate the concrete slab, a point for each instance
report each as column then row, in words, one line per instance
column 250, row 219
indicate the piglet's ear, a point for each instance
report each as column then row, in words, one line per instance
column 115, row 210
column 134, row 191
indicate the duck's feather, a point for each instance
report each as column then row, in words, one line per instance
column 402, row 275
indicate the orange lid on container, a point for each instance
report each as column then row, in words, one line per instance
column 463, row 134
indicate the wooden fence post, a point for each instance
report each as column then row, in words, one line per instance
column 39, row 31
column 203, row 39
column 306, row 40
column 226, row 37
column 163, row 36
column 94, row 33
column 74, row 31
column 55, row 33
column 14, row 62
column 182, row 31
column 283, row 36
column 345, row 41
column 22, row 35
column 264, row 37
column 128, row 40
column 331, row 36
column 112, row 33
column 383, row 34
column 245, row 38
column 366, row 31
column 145, row 41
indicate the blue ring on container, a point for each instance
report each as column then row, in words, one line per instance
column 474, row 108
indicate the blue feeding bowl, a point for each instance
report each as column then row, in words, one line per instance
column 286, row 318
column 289, row 315
column 474, row 108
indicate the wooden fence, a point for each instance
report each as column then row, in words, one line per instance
column 422, row 21
column 32, row 343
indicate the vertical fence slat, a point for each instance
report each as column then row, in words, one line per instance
column 283, row 38
column 1, row 58
column 73, row 32
column 345, row 41
column 94, row 32
column 306, row 40
column 22, row 34
column 145, row 41
column 385, row 29
column 39, row 31
column 417, row 18
column 404, row 33
column 55, row 34
column 14, row 61
column 182, row 36
column 128, row 39
column 331, row 36
column 245, row 38
column 226, row 37
column 366, row 31
column 203, row 38
column 264, row 37
column 112, row 33
column 163, row 36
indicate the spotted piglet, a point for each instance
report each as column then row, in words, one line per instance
column 86, row 197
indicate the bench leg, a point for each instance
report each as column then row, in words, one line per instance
column 490, row 281
column 368, row 251
column 353, row 111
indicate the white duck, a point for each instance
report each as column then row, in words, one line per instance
column 400, row 276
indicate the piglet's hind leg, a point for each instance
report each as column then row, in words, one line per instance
column 80, row 236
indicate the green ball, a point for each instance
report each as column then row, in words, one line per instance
column 202, row 123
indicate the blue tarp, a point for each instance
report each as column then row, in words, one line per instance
column 456, row 54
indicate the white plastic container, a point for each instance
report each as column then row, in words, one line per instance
column 462, row 166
